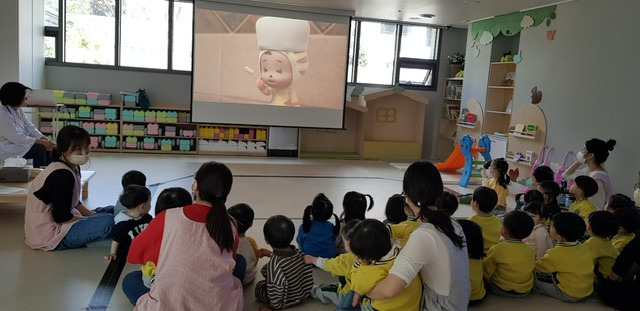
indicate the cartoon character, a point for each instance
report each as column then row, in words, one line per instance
column 283, row 57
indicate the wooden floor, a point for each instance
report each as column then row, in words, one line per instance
column 66, row 280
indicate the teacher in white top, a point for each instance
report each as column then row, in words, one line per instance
column 18, row 136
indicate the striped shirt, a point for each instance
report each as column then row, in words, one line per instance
column 287, row 279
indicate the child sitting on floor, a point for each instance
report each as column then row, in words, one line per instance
column 130, row 222
column 601, row 227
column 395, row 210
column 474, row 243
column 532, row 195
column 550, row 191
column 354, row 206
column 539, row 238
column 499, row 181
column 629, row 219
column 129, row 178
column 287, row 279
column 339, row 266
column 566, row 271
column 582, row 189
column 317, row 235
column 617, row 201
column 447, row 202
column 247, row 246
column 483, row 201
column 370, row 243
column 508, row 266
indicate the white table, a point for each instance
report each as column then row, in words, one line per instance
column 21, row 196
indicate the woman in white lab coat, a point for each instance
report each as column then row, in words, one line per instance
column 18, row 136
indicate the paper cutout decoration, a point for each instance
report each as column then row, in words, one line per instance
column 477, row 51
column 527, row 21
column 536, row 96
column 486, row 38
column 551, row 34
column 518, row 57
column 510, row 24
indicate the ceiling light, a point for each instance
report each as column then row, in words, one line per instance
column 427, row 15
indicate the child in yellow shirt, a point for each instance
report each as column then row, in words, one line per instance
column 582, row 189
column 601, row 227
column 566, row 271
column 371, row 244
column 498, row 180
column 483, row 201
column 474, row 243
column 339, row 266
column 629, row 219
column 508, row 266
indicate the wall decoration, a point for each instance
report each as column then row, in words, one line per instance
column 510, row 24
column 477, row 51
column 536, row 96
column 518, row 57
column 486, row 37
column 527, row 21
column 551, row 34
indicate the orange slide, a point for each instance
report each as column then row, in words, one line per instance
column 455, row 161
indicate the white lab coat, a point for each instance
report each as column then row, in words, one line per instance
column 17, row 133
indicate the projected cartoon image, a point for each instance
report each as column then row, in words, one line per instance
column 283, row 57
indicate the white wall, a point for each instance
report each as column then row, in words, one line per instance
column 588, row 75
column 164, row 89
column 9, row 35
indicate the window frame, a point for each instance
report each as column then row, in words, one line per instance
column 58, row 33
column 398, row 62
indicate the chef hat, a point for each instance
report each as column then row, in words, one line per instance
column 282, row 34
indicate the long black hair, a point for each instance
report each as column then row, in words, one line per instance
column 503, row 169
column 354, row 205
column 321, row 209
column 422, row 184
column 214, row 184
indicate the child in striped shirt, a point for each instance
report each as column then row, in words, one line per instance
column 287, row 279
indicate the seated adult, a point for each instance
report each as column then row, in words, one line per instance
column 594, row 153
column 18, row 136
column 54, row 217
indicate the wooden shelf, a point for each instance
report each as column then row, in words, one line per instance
column 501, row 87
column 499, row 112
column 157, row 136
column 157, row 151
column 526, row 135
column 455, row 99
column 90, row 134
column 164, row 123
column 466, row 124
column 503, row 63
column 83, row 119
column 255, row 153
column 242, row 139
column 521, row 162
column 105, row 149
column 158, row 108
column 80, row 105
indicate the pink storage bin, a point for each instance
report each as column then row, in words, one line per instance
column 92, row 95
column 153, row 129
column 170, row 134
column 187, row 133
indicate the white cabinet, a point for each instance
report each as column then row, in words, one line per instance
column 498, row 146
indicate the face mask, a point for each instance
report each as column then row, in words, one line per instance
column 78, row 159
column 580, row 157
column 636, row 196
column 529, row 183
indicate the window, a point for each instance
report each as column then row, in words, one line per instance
column 153, row 34
column 388, row 54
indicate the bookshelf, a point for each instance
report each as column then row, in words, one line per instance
column 448, row 120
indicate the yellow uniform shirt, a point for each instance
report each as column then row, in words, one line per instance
column 502, row 192
column 491, row 227
column 401, row 232
column 509, row 266
column 573, row 265
column 364, row 277
column 620, row 240
column 411, row 222
column 583, row 207
column 341, row 266
column 475, row 275
column 604, row 255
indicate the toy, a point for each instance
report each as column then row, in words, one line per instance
column 467, row 149
column 283, row 57
column 563, row 167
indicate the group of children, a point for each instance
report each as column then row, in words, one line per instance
column 561, row 253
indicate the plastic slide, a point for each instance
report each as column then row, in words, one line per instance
column 454, row 162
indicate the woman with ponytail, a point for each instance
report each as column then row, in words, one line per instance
column 193, row 248
column 594, row 153
column 317, row 235
column 54, row 217
column 436, row 251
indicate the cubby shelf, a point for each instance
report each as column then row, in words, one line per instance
column 526, row 135
column 499, row 112
column 521, row 162
column 466, row 124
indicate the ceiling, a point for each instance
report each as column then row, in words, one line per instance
column 454, row 13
